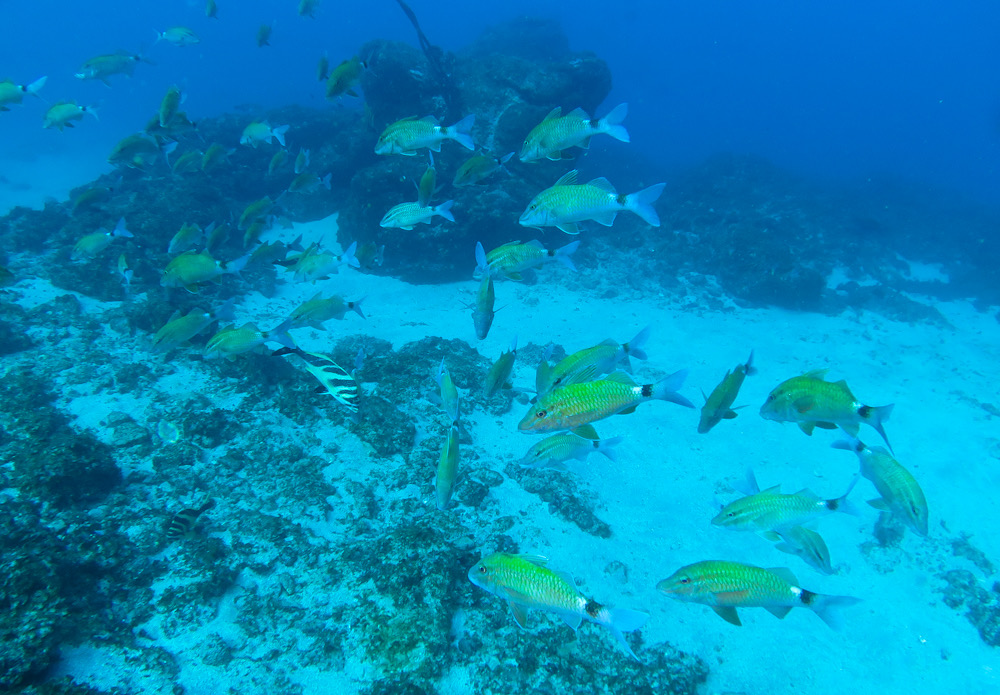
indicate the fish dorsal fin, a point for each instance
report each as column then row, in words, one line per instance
column 567, row 179
column 610, row 342
column 535, row 243
column 407, row 118
column 806, row 492
column 586, row 431
column 603, row 184
column 566, row 577
column 778, row 612
column 620, row 378
column 785, row 574
column 509, row 243
column 578, row 113
column 773, row 490
column 539, row 560
column 429, row 119
column 842, row 383
column 817, row 373
column 553, row 114
column 572, row 619
column 520, row 613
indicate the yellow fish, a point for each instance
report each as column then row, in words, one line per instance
column 556, row 133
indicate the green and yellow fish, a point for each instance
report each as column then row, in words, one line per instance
column 427, row 185
column 811, row 401
column 575, row 405
column 768, row 510
column 215, row 156
column 178, row 36
column 479, row 167
column 499, row 374
column 447, row 470
column 261, row 132
column 406, row 215
column 302, row 160
column 232, row 341
column 318, row 310
column 62, row 114
column 525, row 582
column 264, row 35
column 343, row 78
column 448, row 393
column 411, row 134
column 725, row 586
column 553, row 451
column 482, row 311
column 719, row 404
column 180, row 329
column 11, row 93
column 90, row 198
column 104, row 66
column 590, row 363
column 211, row 9
column 371, row 255
column 568, row 203
column 312, row 264
column 187, row 237
column 806, row 544
column 308, row 182
column 333, row 379
column 191, row 269
column 92, row 244
column 508, row 262
column 136, row 151
column 169, row 105
column 556, row 133
column 307, row 8
column 187, row 163
column 900, row 493
column 255, row 211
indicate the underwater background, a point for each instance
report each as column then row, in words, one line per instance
column 288, row 405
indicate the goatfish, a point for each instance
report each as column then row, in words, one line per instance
column 254, row 211
column 768, row 510
column 178, row 36
column 307, row 8
column 508, row 262
column 407, row 215
column 553, row 451
column 180, row 329
column 187, row 237
column 211, row 9
column 169, row 105
column 567, row 203
column 263, row 35
column 371, row 255
column 447, row 470
column 312, row 265
column 590, row 363
column 499, row 373
column 323, row 67
column 448, row 393
column 806, row 544
column 479, row 167
column 574, row 405
column 11, row 93
column 408, row 135
column 215, row 156
column 318, row 310
column 901, row 495
column 556, row 132
column 302, row 160
column 343, row 78
column 277, row 162
column 726, row 586
column 182, row 523
column 104, row 66
column 232, row 341
column 482, row 312
column 62, row 114
column 719, row 405
column 135, row 151
column 334, row 379
column 187, row 163
column 525, row 582
column 90, row 198
column 92, row 244
column 811, row 401
column 178, row 125
column 428, row 184
column 261, row 132
column 191, row 269
column 308, row 182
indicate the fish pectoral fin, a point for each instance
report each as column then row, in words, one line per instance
column 804, row 404
column 569, row 227
column 351, row 93
column 628, row 411
column 728, row 613
column 520, row 612
column 555, row 157
column 516, row 277
column 729, row 415
column 830, row 426
column 785, row 574
column 772, row 536
column 851, row 429
column 572, row 619
column 778, row 612
column 607, row 219
column 879, row 504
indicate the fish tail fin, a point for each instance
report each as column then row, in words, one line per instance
column 444, row 209
column 36, row 86
column 633, row 348
column 349, row 257
column 666, row 389
column 235, row 266
column 563, row 254
column 326, row 180
column 607, row 447
column 461, row 132
column 748, row 367
column 92, row 110
column 159, row 35
column 875, row 416
column 845, row 505
column 279, row 133
column 482, row 266
column 620, row 621
column 828, row 608
column 121, row 230
column 612, row 123
column 849, row 443
column 356, row 308
column 280, row 334
column 641, row 203
column 225, row 312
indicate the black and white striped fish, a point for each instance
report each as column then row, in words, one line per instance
column 183, row 521
column 333, row 378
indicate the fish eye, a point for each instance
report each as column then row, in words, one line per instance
column 770, row 397
column 482, row 569
column 731, row 514
column 685, row 580
column 541, row 413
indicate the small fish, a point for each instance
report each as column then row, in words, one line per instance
column 182, row 523
column 371, row 255
column 232, row 341
column 312, row 265
column 180, row 329
column 333, row 378
column 900, row 493
column 90, row 198
column 343, row 78
column 448, row 393
column 104, row 66
column 410, row 134
column 482, row 312
column 191, row 269
column 301, row 160
column 719, row 405
column 509, row 261
column 178, row 36
column 217, row 236
column 92, row 244
column 590, row 363
column 264, row 35
column 556, row 133
column 261, row 132
column 769, row 510
column 525, row 582
column 211, row 9
column 726, row 586
column 277, row 162
column 124, row 271
column 169, row 105
column 7, row 278
column 318, row 310
column 215, row 156
column 307, row 8
column 427, row 185
column 255, row 211
column 308, row 182
column 11, row 93
column 500, row 371
column 479, row 167
column 62, row 114
column 323, row 67
column 187, row 163
column 447, row 470
column 553, row 451
column 574, row 405
column 808, row 545
column 406, row 215
column 568, row 203
column 180, row 124
column 186, row 237
column 135, row 151
column 811, row 401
